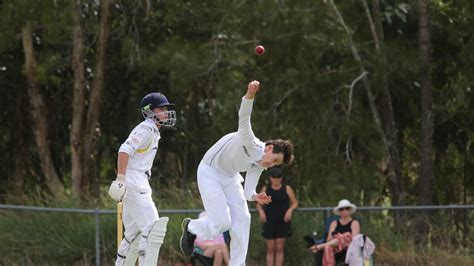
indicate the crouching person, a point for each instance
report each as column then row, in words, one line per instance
column 144, row 230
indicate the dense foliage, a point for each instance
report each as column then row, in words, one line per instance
column 347, row 90
column 201, row 56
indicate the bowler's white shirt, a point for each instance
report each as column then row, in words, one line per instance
column 239, row 152
column 141, row 146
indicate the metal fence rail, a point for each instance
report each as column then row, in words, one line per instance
column 326, row 210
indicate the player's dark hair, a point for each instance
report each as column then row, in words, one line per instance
column 282, row 146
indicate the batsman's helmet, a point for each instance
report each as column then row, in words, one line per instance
column 154, row 100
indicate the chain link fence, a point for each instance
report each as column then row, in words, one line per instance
column 73, row 232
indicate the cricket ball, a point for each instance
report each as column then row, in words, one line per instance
column 259, row 50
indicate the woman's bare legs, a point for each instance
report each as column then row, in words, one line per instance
column 225, row 254
column 271, row 246
column 280, row 251
column 216, row 250
column 218, row 258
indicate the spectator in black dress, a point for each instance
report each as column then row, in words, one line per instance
column 276, row 216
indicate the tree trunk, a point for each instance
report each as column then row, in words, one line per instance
column 19, row 147
column 38, row 113
column 78, row 101
column 395, row 179
column 92, row 128
column 425, row 189
column 421, row 225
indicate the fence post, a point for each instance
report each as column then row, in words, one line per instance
column 97, row 236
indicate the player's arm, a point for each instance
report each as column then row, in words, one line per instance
column 136, row 139
column 122, row 162
column 258, row 205
column 252, row 90
column 261, row 213
column 245, row 111
column 251, row 181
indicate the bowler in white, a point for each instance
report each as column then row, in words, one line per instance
column 219, row 182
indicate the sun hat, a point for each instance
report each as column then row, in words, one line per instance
column 344, row 203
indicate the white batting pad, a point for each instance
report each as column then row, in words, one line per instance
column 154, row 241
column 132, row 254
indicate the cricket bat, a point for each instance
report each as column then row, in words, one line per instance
column 119, row 223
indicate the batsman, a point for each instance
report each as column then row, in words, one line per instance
column 144, row 230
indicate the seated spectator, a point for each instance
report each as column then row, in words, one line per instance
column 215, row 248
column 340, row 233
column 276, row 216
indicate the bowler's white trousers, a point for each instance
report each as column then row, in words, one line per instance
column 139, row 214
column 226, row 207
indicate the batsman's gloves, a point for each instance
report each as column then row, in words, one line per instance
column 117, row 189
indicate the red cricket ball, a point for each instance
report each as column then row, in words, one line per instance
column 259, row 50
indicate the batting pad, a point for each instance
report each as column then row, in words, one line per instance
column 154, row 241
column 132, row 254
